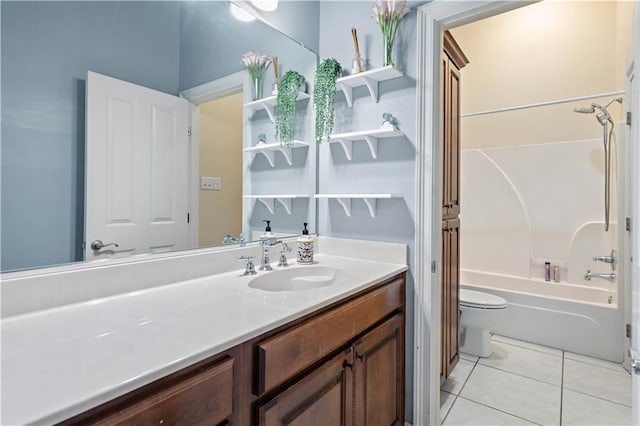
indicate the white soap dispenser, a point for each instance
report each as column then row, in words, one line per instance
column 305, row 247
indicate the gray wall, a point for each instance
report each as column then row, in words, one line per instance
column 47, row 49
column 394, row 170
column 298, row 19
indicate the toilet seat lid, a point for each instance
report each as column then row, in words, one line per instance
column 479, row 299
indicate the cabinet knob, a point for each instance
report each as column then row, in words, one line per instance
column 347, row 364
column 361, row 358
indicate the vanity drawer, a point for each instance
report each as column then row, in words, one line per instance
column 203, row 398
column 284, row 355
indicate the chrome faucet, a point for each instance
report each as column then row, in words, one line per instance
column 611, row 259
column 249, row 269
column 609, row 277
column 283, row 254
column 230, row 239
column 265, row 262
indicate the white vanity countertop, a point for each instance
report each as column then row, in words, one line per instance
column 60, row 362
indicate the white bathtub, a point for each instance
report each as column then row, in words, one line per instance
column 572, row 317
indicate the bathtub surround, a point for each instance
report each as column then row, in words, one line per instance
column 510, row 203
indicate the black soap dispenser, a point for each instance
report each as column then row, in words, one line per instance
column 267, row 230
column 305, row 247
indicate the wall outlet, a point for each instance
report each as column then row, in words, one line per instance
column 210, row 183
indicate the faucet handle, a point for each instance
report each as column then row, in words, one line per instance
column 249, row 268
column 283, row 259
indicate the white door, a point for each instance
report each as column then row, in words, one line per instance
column 137, row 169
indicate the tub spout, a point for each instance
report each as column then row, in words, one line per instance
column 609, row 277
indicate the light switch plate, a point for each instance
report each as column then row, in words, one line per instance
column 210, row 183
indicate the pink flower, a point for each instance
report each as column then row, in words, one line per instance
column 397, row 8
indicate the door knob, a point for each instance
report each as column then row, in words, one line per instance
column 98, row 245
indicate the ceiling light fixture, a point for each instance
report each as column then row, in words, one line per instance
column 266, row 5
column 240, row 14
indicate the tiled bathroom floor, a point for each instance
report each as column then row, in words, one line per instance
column 523, row 384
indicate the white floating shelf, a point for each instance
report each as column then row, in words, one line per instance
column 370, row 136
column 269, row 105
column 269, row 200
column 369, row 199
column 269, row 151
column 370, row 78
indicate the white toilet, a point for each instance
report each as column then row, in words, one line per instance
column 480, row 313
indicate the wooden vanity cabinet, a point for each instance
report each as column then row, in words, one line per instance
column 340, row 365
column 199, row 395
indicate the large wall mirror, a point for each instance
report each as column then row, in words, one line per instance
column 118, row 72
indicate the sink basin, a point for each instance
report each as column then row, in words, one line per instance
column 297, row 279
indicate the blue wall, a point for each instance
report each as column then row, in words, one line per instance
column 394, row 170
column 47, row 49
column 202, row 61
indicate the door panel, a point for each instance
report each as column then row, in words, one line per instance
column 379, row 384
column 137, row 169
column 325, row 396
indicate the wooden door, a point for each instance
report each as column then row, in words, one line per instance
column 450, row 295
column 379, row 375
column 137, row 187
column 453, row 59
column 323, row 397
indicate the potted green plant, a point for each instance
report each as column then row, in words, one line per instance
column 288, row 88
column 324, row 90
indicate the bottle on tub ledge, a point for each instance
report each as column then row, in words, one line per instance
column 556, row 273
column 305, row 247
column 547, row 271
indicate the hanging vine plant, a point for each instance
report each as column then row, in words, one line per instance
column 324, row 90
column 288, row 88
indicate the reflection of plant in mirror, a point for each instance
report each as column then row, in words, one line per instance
column 286, row 106
column 324, row 90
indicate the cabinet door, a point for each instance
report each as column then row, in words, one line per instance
column 450, row 295
column 453, row 114
column 445, row 127
column 379, row 375
column 450, row 138
column 323, row 397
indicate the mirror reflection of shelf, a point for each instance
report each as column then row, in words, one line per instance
column 370, row 78
column 370, row 136
column 269, row 200
column 269, row 105
column 269, row 151
column 369, row 199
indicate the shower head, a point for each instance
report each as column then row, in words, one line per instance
column 585, row 110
